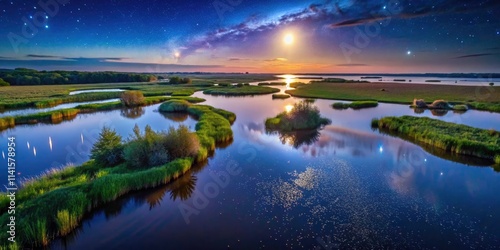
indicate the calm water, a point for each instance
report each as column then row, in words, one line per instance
column 345, row 186
column 95, row 91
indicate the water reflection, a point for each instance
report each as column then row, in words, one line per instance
column 132, row 113
column 439, row 112
column 297, row 138
column 176, row 117
column 182, row 188
column 443, row 154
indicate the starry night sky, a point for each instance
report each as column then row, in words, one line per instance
column 338, row 36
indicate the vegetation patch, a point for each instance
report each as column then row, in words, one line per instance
column 340, row 80
column 272, row 84
column 132, row 98
column 240, row 91
column 355, row 105
column 297, row 84
column 23, row 76
column 402, row 93
column 54, row 204
column 281, row 96
column 303, row 116
column 451, row 137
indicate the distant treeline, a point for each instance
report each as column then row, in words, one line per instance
column 22, row 76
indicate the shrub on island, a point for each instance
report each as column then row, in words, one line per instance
column 302, row 116
column 132, row 98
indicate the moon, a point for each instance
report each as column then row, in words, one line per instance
column 288, row 39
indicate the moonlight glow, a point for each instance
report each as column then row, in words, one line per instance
column 288, row 39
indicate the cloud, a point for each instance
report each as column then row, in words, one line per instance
column 278, row 59
column 436, row 8
column 249, row 27
column 352, row 65
column 102, row 64
column 358, row 21
column 237, row 59
column 42, row 56
column 99, row 59
column 475, row 55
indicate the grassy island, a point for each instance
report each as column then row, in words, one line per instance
column 240, row 90
column 355, row 105
column 303, row 116
column 54, row 204
column 281, row 96
column 451, row 137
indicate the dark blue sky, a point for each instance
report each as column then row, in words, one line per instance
column 241, row 35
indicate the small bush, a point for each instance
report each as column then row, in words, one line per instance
column 132, row 98
column 157, row 148
column 181, row 143
column 491, row 84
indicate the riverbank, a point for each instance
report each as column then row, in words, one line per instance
column 478, row 97
column 55, row 204
column 451, row 137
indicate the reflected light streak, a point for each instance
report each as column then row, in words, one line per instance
column 81, row 136
column 34, row 151
column 50, row 143
column 28, row 144
column 3, row 154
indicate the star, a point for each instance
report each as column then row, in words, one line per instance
column 408, row 52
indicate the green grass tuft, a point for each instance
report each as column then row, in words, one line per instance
column 355, row 105
column 281, row 96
